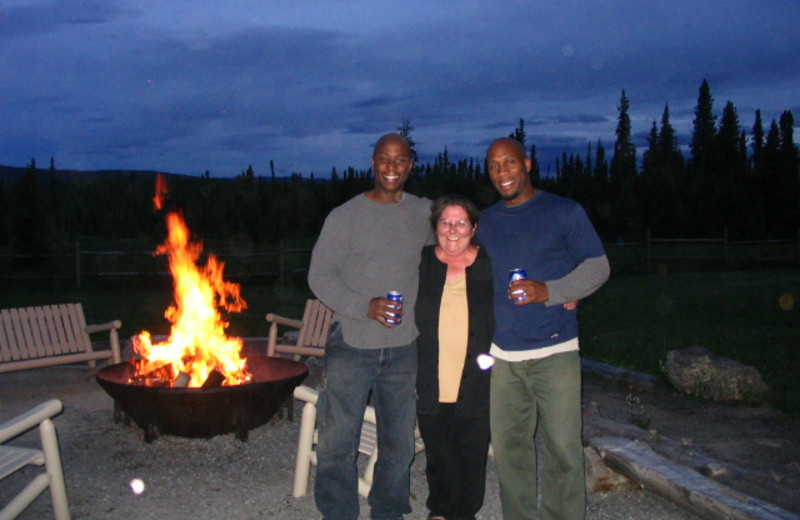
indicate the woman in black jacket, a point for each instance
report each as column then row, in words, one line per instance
column 455, row 320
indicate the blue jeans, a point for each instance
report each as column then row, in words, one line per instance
column 351, row 376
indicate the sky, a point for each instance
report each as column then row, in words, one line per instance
column 189, row 86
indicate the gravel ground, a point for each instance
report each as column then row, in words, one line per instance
column 217, row 478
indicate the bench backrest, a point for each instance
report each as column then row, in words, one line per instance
column 316, row 325
column 38, row 332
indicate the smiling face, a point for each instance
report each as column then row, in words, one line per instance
column 391, row 163
column 508, row 170
column 454, row 231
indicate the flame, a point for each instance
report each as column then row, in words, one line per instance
column 161, row 192
column 197, row 345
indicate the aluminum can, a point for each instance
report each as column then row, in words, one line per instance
column 397, row 298
column 517, row 274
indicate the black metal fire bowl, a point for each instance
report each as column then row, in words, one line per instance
column 204, row 412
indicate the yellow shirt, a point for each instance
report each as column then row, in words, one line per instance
column 453, row 336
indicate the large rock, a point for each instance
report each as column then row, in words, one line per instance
column 698, row 372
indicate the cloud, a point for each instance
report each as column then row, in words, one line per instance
column 187, row 86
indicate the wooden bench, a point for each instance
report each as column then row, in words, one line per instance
column 48, row 335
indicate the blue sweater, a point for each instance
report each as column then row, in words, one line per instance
column 547, row 236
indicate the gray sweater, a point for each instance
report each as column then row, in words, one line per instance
column 365, row 250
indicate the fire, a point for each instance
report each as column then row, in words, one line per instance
column 197, row 347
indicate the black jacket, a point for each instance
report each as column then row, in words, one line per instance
column 473, row 395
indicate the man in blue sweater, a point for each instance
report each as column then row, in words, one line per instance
column 536, row 379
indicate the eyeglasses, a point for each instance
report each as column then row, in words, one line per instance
column 460, row 225
column 400, row 162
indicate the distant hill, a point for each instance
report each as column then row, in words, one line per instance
column 12, row 173
column 9, row 174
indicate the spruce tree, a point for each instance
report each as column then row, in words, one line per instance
column 405, row 129
column 704, row 129
column 519, row 132
column 623, row 176
column 758, row 141
column 789, row 169
column 728, row 194
column 700, row 175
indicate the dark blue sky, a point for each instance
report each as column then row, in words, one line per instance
column 186, row 86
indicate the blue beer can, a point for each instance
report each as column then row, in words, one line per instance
column 397, row 298
column 517, row 274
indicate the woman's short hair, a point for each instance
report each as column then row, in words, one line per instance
column 438, row 206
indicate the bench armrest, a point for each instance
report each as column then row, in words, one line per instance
column 91, row 329
column 113, row 337
column 280, row 320
column 29, row 419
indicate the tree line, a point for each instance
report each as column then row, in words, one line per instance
column 741, row 179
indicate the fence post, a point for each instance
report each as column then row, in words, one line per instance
column 280, row 261
column 78, row 265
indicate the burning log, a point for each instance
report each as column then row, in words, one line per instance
column 182, row 381
column 214, row 379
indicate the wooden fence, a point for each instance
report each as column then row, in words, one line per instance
column 285, row 262
column 704, row 253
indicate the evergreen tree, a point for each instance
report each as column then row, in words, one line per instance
column 623, row 177
column 651, row 158
column 670, row 149
column 788, row 149
column 519, row 132
column 704, row 129
column 27, row 224
column 601, row 165
column 700, row 179
column 671, row 174
column 727, row 200
column 789, row 169
column 655, row 203
column 405, row 129
column 758, row 141
column 771, row 181
column 623, row 163
column 536, row 174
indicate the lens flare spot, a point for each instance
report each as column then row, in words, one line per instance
column 485, row 361
column 786, row 301
column 137, row 486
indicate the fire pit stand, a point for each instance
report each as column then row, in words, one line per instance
column 204, row 412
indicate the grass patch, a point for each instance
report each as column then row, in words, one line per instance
column 632, row 322
column 749, row 316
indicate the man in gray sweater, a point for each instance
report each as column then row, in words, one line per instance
column 370, row 246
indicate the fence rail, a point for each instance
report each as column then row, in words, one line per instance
column 284, row 262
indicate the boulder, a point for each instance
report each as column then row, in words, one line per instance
column 697, row 371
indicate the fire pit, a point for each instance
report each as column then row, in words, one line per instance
column 204, row 412
column 197, row 383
